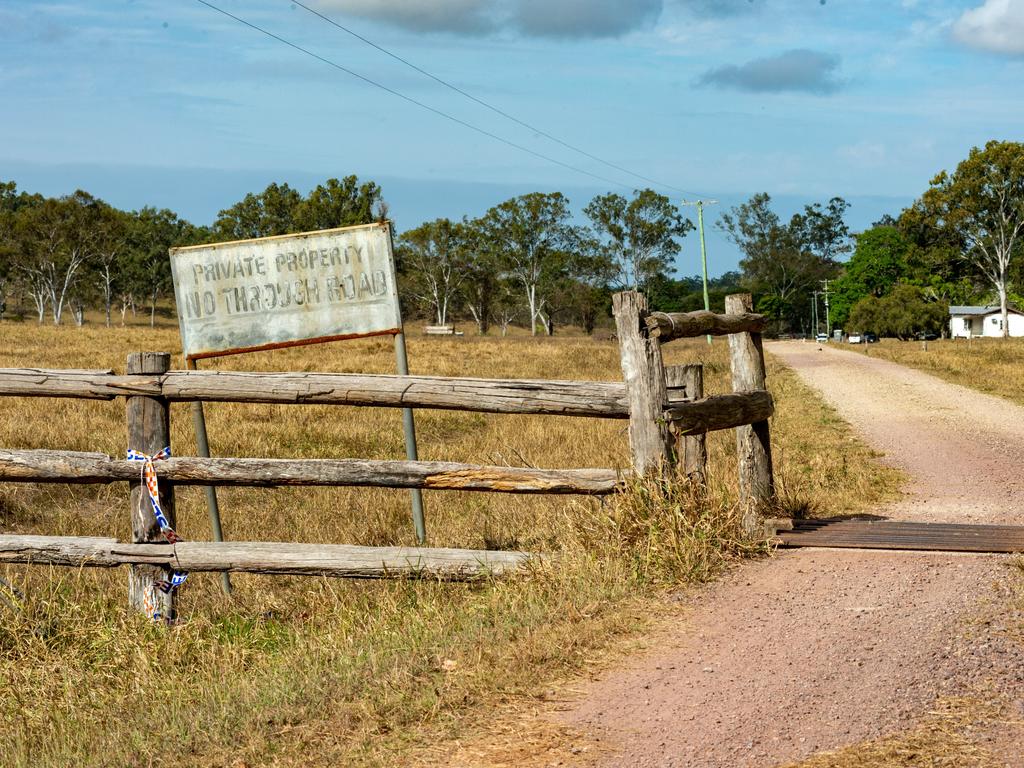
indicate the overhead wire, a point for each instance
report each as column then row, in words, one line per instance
column 411, row 100
column 485, row 104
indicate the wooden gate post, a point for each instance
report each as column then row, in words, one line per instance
column 643, row 370
column 149, row 432
column 691, row 449
column 753, row 442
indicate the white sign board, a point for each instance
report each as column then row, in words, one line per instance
column 283, row 291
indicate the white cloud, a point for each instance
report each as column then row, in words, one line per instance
column 995, row 25
column 864, row 153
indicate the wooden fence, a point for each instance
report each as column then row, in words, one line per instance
column 667, row 412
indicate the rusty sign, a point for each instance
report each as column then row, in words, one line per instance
column 272, row 292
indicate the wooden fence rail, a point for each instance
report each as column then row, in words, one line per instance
column 667, row 326
column 558, row 398
column 720, row 412
column 338, row 560
column 43, row 466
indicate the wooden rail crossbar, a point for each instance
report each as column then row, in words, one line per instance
column 338, row 560
column 43, row 466
column 667, row 326
column 560, row 398
column 720, row 412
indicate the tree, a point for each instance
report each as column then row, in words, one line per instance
column 342, row 203
column 433, row 259
column 271, row 212
column 983, row 202
column 782, row 263
column 12, row 203
column 281, row 210
column 507, row 305
column 903, row 313
column 878, row 263
column 822, row 231
column 530, row 236
column 484, row 280
column 55, row 238
column 639, row 235
column 151, row 233
column 111, row 248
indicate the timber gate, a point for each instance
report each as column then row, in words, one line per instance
column 663, row 406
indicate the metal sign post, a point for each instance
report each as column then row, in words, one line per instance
column 409, row 427
column 287, row 291
column 203, row 449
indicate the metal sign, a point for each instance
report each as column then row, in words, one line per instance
column 284, row 291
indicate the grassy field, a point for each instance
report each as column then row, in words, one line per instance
column 293, row 671
column 990, row 365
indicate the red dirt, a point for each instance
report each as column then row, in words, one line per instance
column 816, row 649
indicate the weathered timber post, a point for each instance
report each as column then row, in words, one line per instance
column 691, row 449
column 643, row 370
column 149, row 432
column 753, row 443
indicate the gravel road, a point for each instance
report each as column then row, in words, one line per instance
column 816, row 649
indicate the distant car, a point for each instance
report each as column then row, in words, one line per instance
column 855, row 338
column 871, row 338
column 821, row 338
column 927, row 336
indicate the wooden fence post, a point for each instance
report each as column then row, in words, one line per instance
column 149, row 432
column 643, row 370
column 753, row 443
column 691, row 449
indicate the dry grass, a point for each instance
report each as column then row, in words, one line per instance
column 947, row 737
column 295, row 671
column 989, row 365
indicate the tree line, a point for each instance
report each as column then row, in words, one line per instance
column 524, row 261
column 529, row 261
column 960, row 242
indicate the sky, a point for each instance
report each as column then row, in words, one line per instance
column 175, row 104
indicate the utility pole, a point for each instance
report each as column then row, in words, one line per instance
column 814, row 314
column 703, row 250
column 828, row 322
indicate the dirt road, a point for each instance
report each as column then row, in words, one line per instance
column 816, row 649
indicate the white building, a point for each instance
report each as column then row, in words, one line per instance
column 966, row 322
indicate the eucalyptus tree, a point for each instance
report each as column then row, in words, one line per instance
column 110, row 266
column 280, row 209
column 434, row 260
column 530, row 237
column 270, row 212
column 983, row 202
column 55, row 239
column 783, row 263
column 340, row 203
column 151, row 232
column 639, row 235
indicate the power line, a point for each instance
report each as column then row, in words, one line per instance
column 409, row 99
column 481, row 102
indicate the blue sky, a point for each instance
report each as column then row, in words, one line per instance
column 173, row 104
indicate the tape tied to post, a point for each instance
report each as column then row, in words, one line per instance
column 149, row 481
column 148, row 477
